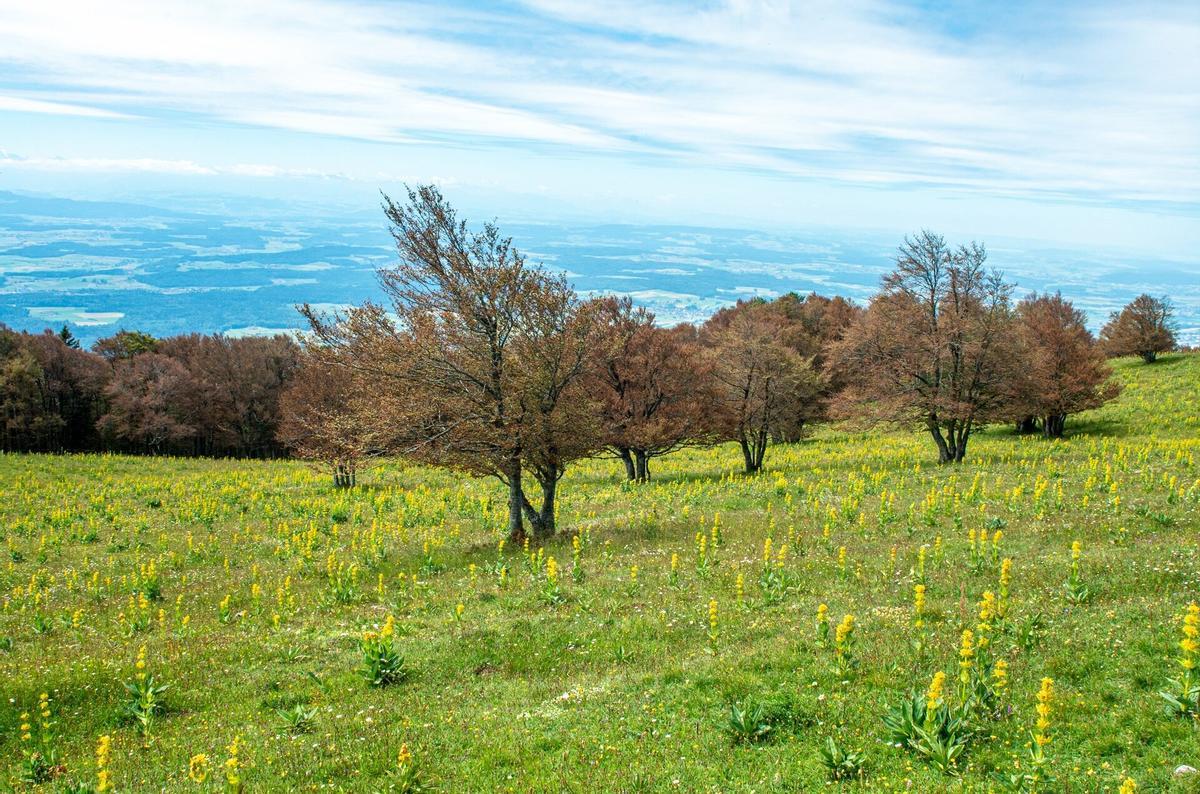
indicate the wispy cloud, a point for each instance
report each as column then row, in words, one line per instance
column 1095, row 102
column 26, row 105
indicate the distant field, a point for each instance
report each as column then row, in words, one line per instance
column 618, row 682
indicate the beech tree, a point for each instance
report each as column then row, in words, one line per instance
column 1060, row 368
column 653, row 386
column 1143, row 328
column 808, row 325
column 476, row 361
column 933, row 348
column 73, row 382
column 320, row 420
column 151, row 402
column 761, row 382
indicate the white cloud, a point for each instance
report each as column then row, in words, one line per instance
column 26, row 105
column 1098, row 105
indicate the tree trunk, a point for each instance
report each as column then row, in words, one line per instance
column 749, row 458
column 516, row 502
column 643, row 465
column 1149, row 356
column 627, row 458
column 542, row 520
column 1027, row 425
column 944, row 453
column 1053, row 425
column 960, row 433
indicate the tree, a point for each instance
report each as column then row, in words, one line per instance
column 476, row 365
column 238, row 383
column 69, row 338
column 1062, row 369
column 319, row 420
column 653, row 385
column 761, row 382
column 125, row 345
column 73, row 383
column 808, row 325
column 1143, row 328
column 151, row 403
column 933, row 348
column 26, row 423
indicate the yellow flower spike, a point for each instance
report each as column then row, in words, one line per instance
column 103, row 756
column 198, row 768
column 966, row 658
column 937, row 691
column 1045, row 698
column 1000, row 677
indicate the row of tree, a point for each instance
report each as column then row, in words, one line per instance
column 483, row 363
column 189, row 395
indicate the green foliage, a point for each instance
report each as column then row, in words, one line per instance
column 143, row 703
column 840, row 763
column 747, row 723
column 382, row 664
column 298, row 718
column 904, row 721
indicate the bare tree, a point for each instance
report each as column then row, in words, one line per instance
column 1145, row 328
column 932, row 350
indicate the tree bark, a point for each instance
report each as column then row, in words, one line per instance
column 643, row 465
column 944, row 453
column 1053, row 425
column 750, row 457
column 627, row 458
column 516, row 502
column 1027, row 425
column 542, row 520
column 343, row 475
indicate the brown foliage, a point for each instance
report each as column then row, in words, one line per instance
column 762, row 383
column 477, row 365
column 1143, row 328
column 1061, row 369
column 151, row 402
column 932, row 350
column 653, row 386
column 320, row 418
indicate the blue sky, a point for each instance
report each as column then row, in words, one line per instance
column 1077, row 123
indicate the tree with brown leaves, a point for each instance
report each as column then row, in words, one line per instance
column 152, row 403
column 476, row 362
column 932, row 349
column 1061, row 369
column 653, row 386
column 320, row 419
column 1143, row 328
column 762, row 382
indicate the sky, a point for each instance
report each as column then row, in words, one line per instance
column 1071, row 122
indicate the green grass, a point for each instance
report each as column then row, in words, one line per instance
column 617, row 688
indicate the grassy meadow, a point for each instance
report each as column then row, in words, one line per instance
column 250, row 586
